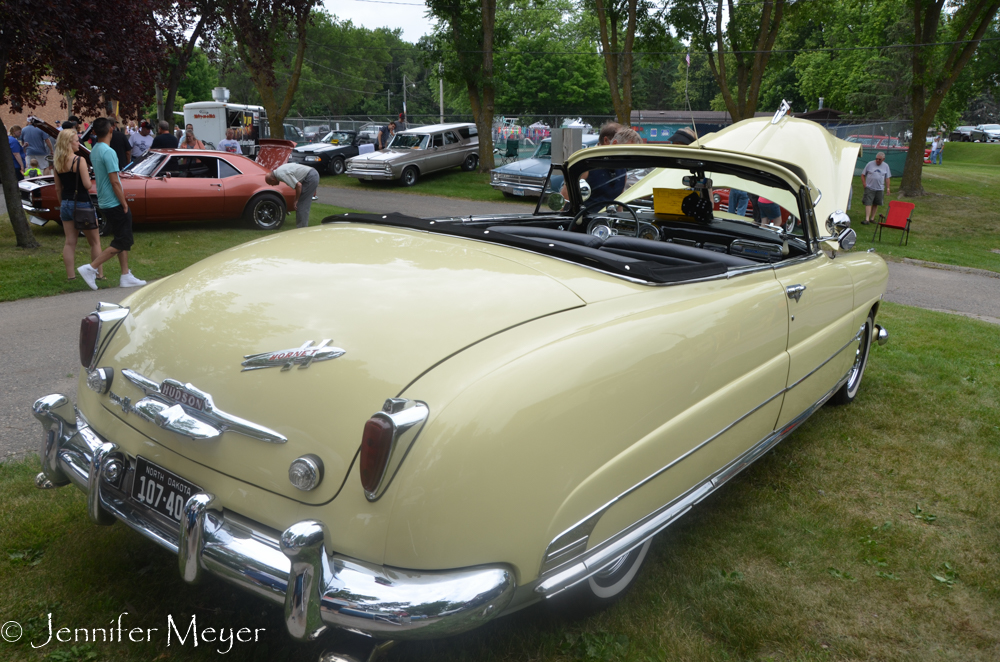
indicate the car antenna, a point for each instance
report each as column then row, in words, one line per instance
column 687, row 75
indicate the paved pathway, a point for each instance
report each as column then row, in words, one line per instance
column 422, row 206
column 40, row 335
column 971, row 292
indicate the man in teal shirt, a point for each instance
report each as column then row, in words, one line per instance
column 111, row 199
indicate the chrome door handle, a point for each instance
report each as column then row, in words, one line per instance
column 219, row 185
column 795, row 291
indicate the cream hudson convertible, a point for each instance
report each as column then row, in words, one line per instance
column 408, row 427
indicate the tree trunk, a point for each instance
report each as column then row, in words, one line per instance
column 749, row 74
column 484, row 123
column 930, row 87
column 183, row 56
column 11, row 193
column 621, row 95
column 22, row 231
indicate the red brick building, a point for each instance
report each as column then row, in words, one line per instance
column 53, row 110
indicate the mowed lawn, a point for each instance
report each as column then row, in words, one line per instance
column 870, row 534
column 160, row 249
column 957, row 222
column 450, row 183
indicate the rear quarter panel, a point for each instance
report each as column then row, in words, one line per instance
column 536, row 428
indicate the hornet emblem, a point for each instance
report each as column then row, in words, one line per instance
column 304, row 356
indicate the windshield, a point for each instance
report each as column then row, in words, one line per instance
column 544, row 150
column 991, row 127
column 673, row 190
column 337, row 138
column 147, row 166
column 410, row 141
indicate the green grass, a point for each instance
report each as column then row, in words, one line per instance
column 450, row 183
column 159, row 250
column 813, row 553
column 972, row 153
column 955, row 223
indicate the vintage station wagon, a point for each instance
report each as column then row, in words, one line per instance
column 416, row 152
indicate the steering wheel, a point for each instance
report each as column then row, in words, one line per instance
column 578, row 219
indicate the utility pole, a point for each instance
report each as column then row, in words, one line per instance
column 404, row 96
column 441, row 89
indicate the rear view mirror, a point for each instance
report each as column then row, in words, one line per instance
column 847, row 239
column 837, row 222
column 556, row 202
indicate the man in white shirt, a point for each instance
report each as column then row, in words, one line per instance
column 936, row 146
column 229, row 144
column 301, row 178
column 140, row 141
column 875, row 180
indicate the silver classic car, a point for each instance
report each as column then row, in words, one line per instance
column 416, row 152
column 525, row 178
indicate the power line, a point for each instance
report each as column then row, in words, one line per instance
column 825, row 49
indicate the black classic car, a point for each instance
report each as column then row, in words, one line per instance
column 328, row 155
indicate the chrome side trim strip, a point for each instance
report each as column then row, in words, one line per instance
column 638, row 533
column 567, row 544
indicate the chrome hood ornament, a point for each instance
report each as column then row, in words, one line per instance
column 304, row 356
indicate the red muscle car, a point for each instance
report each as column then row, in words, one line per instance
column 185, row 185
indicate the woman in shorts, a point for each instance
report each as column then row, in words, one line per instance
column 770, row 212
column 72, row 182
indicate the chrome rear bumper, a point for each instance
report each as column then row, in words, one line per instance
column 318, row 589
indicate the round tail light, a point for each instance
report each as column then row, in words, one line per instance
column 90, row 327
column 376, row 444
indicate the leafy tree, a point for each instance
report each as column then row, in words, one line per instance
column 937, row 67
column 94, row 52
column 199, row 80
column 540, row 76
column 181, row 26
column 260, row 29
column 467, row 35
column 750, row 31
column 619, row 18
column 869, row 78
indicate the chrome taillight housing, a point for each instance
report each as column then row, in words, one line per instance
column 386, row 439
column 96, row 329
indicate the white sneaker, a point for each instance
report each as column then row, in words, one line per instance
column 128, row 280
column 89, row 275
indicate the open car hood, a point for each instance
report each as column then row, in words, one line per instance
column 798, row 151
column 274, row 153
column 827, row 161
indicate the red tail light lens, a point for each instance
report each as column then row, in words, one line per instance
column 90, row 327
column 376, row 442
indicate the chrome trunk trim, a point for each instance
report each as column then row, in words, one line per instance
column 327, row 589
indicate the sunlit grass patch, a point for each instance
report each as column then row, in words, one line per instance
column 160, row 249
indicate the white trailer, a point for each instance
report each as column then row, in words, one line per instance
column 210, row 120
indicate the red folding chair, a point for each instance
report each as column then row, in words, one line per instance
column 899, row 218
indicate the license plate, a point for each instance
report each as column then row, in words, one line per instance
column 158, row 489
column 34, row 220
column 519, row 191
column 367, row 177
